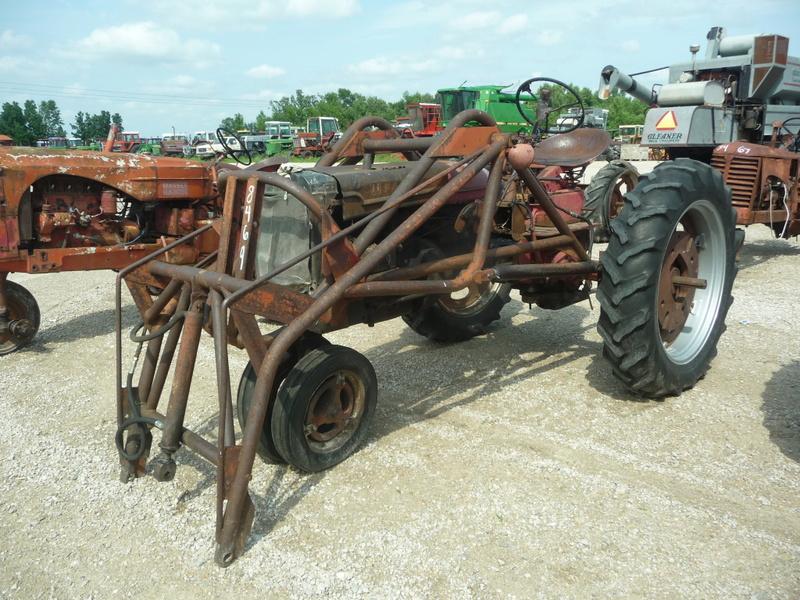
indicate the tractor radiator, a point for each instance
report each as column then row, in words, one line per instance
column 741, row 174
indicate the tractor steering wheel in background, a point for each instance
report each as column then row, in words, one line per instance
column 794, row 145
column 526, row 87
column 221, row 134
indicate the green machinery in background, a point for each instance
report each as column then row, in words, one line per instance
column 488, row 98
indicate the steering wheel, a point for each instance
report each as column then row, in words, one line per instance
column 794, row 145
column 221, row 133
column 544, row 105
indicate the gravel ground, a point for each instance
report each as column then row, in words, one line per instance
column 512, row 465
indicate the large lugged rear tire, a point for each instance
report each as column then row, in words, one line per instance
column 460, row 316
column 659, row 326
column 605, row 192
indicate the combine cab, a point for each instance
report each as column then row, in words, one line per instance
column 490, row 99
column 276, row 139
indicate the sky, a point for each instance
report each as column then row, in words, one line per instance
column 188, row 64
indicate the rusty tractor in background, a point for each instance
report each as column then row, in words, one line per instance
column 439, row 239
column 74, row 211
column 764, row 181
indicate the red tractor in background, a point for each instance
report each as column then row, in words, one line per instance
column 119, row 141
column 318, row 138
column 425, row 119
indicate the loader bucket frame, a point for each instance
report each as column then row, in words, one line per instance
column 223, row 292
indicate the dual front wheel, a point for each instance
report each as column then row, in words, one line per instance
column 321, row 405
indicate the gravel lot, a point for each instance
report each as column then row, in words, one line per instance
column 513, row 465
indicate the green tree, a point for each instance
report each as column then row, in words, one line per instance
column 399, row 107
column 33, row 121
column 261, row 121
column 343, row 104
column 623, row 110
column 51, row 117
column 80, row 127
column 99, row 125
column 12, row 123
column 117, row 119
column 234, row 124
column 90, row 127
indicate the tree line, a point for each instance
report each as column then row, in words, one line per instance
column 30, row 122
column 343, row 104
column 347, row 106
column 27, row 123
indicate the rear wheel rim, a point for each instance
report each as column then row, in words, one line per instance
column 696, row 248
column 471, row 300
column 622, row 185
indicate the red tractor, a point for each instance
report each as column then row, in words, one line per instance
column 425, row 118
column 318, row 138
column 118, row 141
column 67, row 210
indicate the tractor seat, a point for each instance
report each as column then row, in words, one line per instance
column 571, row 149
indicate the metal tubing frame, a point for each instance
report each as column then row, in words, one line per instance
column 118, row 308
column 221, row 291
column 227, row 549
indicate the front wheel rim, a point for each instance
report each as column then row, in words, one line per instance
column 335, row 411
column 696, row 249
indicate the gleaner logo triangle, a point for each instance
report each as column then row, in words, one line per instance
column 668, row 121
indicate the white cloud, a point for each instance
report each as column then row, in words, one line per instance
column 452, row 52
column 10, row 63
column 514, row 23
column 460, row 52
column 322, row 8
column 9, row 39
column 180, row 84
column 251, row 14
column 146, row 41
column 476, row 20
column 265, row 71
column 382, row 65
column 630, row 45
column 263, row 95
column 548, row 37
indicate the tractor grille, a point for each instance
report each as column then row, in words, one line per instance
column 741, row 175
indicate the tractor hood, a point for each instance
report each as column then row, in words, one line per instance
column 144, row 178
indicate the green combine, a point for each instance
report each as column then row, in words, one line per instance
column 488, row 98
